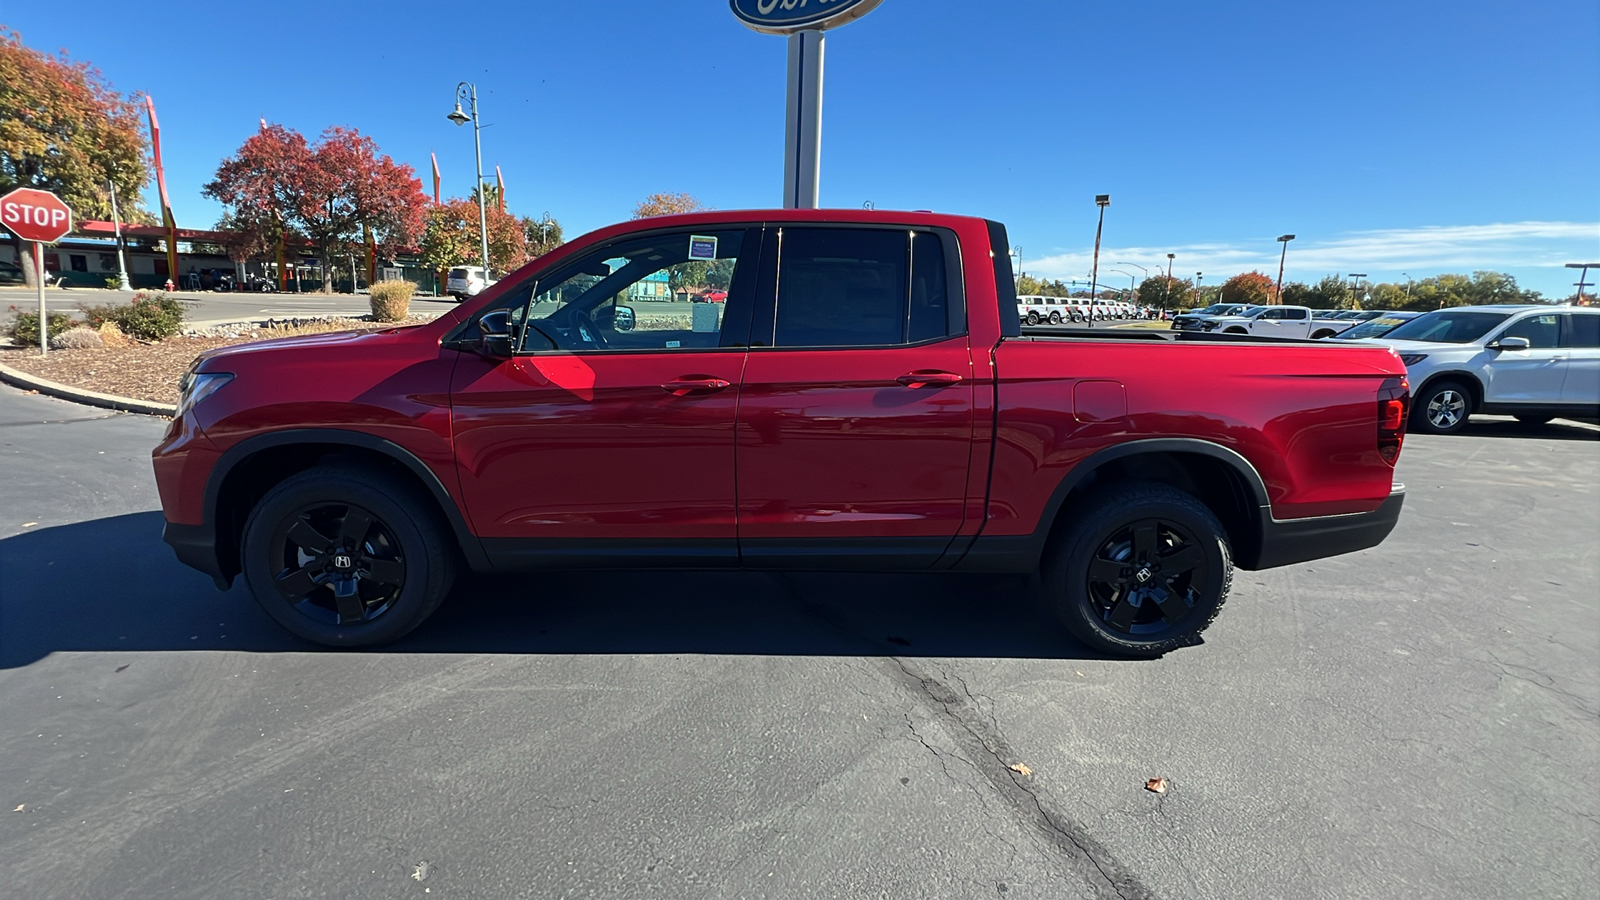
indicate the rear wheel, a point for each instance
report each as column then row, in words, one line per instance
column 1325, row 333
column 1443, row 408
column 1033, row 317
column 346, row 558
column 1142, row 571
column 1055, row 318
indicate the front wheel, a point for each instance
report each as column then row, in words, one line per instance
column 1143, row 569
column 1443, row 408
column 346, row 558
column 1033, row 318
column 1055, row 318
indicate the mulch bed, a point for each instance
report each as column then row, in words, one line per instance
column 141, row 371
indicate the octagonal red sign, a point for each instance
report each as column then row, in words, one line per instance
column 35, row 215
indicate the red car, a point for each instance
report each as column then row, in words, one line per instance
column 711, row 297
column 863, row 400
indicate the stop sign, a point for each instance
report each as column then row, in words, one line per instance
column 35, row 215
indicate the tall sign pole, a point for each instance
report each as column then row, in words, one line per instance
column 804, row 25
column 161, row 185
column 39, row 217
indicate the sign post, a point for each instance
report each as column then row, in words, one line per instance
column 40, row 217
column 804, row 24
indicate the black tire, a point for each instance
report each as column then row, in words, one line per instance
column 1113, row 594
column 1533, row 419
column 1033, row 317
column 1322, row 334
column 1442, row 408
column 394, row 573
column 1235, row 330
column 1055, row 318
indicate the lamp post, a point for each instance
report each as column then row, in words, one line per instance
column 1102, row 201
column 1355, row 285
column 1017, row 252
column 1583, row 276
column 1408, row 286
column 1283, row 239
column 1199, row 293
column 116, row 223
column 469, row 92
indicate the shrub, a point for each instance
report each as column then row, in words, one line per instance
column 25, row 327
column 79, row 337
column 391, row 300
column 149, row 317
column 113, row 283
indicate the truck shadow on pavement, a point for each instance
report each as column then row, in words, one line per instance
column 109, row 585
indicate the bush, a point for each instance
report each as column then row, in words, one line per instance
column 79, row 337
column 391, row 300
column 25, row 327
column 150, row 317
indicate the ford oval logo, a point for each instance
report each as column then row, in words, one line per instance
column 789, row 16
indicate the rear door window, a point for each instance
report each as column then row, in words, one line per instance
column 1583, row 330
column 862, row 287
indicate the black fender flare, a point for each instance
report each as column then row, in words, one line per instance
column 238, row 453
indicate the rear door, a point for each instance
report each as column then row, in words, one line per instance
column 855, row 422
column 1581, row 338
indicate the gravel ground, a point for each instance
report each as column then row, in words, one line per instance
column 150, row 371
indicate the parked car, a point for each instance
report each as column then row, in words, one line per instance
column 1377, row 326
column 710, row 296
column 467, row 281
column 1190, row 321
column 1276, row 321
column 11, row 273
column 1532, row 362
column 865, row 400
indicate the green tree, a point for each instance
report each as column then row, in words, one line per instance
column 1386, row 296
column 1248, row 287
column 542, row 234
column 1166, row 293
column 64, row 129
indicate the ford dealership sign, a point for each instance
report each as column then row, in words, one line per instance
column 790, row 16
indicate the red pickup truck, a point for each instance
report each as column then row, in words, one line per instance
column 864, row 399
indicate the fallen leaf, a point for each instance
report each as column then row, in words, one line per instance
column 1020, row 769
column 1156, row 785
column 420, row 872
column 29, row 524
column 123, row 667
column 19, row 807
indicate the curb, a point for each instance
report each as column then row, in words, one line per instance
column 79, row 395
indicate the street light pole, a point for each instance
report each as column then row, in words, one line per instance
column 1583, row 277
column 1166, row 288
column 468, row 91
column 116, row 223
column 1355, row 285
column 1283, row 239
column 1408, row 286
column 1102, row 201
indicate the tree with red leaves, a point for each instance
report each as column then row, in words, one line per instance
column 64, row 129
column 329, row 193
column 1250, row 287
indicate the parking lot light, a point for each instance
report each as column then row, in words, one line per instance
column 469, row 92
column 1583, row 276
column 1283, row 239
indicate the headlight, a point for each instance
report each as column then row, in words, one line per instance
column 197, row 386
column 1411, row 359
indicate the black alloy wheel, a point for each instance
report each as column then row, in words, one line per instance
column 347, row 557
column 1142, row 570
column 337, row 563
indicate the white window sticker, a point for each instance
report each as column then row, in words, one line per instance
column 702, row 246
column 673, row 345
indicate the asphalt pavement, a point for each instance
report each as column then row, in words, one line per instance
column 1420, row 720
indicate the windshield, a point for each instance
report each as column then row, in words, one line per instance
column 1448, row 327
column 1373, row 328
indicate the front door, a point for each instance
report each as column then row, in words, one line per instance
column 610, row 435
column 856, row 416
column 1534, row 375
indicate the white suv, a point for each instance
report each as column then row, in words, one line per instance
column 1532, row 362
column 466, row 281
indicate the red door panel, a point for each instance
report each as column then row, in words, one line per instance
column 599, row 445
column 838, row 443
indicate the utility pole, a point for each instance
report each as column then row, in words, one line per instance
column 1102, row 201
column 1283, row 239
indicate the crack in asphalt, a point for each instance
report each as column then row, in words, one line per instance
column 992, row 757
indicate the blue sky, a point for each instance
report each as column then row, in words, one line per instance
column 1414, row 136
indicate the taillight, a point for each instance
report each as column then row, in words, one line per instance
column 1394, row 403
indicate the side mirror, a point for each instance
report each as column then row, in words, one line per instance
column 494, row 334
column 624, row 319
column 1511, row 343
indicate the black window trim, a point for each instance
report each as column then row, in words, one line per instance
column 764, row 310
